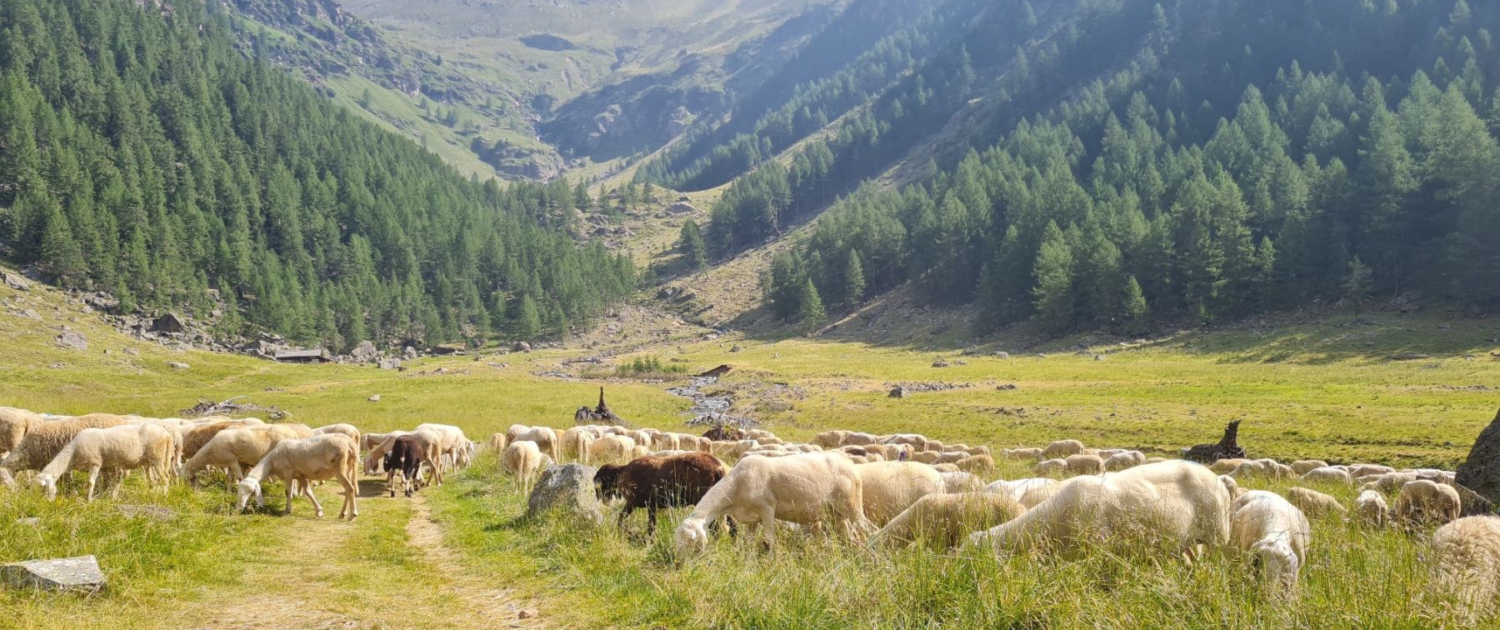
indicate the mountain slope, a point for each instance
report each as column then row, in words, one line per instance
column 145, row 156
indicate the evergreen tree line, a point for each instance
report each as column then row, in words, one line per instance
column 1136, row 199
column 140, row 154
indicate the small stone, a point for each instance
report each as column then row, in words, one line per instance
column 375, row 398
column 152, row 512
column 31, row 314
column 941, row 363
column 1006, row 387
column 522, row 346
column 898, row 391
column 132, row 351
column 527, row 613
column 67, row 574
column 735, row 349
column 1002, row 354
column 178, row 365
column 56, row 366
column 30, row 521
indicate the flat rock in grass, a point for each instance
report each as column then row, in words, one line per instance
column 31, row 521
column 570, row 488
column 153, row 512
column 73, row 340
column 66, row 574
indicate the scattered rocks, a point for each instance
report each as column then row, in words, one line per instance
column 569, row 487
column 1409, row 356
column 73, row 340
column 365, row 352
column 375, row 398
column 152, row 512
column 912, row 388
column 178, row 365
column 941, row 363
column 1006, row 387
column 66, row 574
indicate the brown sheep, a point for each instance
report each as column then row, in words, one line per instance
column 659, row 482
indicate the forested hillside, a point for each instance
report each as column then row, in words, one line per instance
column 141, row 154
column 1105, row 163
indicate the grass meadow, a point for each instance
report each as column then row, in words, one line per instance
column 1323, row 389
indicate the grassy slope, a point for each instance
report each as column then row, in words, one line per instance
column 1312, row 390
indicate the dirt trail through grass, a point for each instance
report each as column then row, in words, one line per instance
column 389, row 569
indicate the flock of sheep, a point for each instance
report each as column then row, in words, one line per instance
column 248, row 450
column 908, row 489
column 890, row 490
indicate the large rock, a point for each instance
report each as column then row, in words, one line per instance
column 67, row 574
column 73, row 340
column 365, row 352
column 1481, row 471
column 15, row 281
column 570, row 488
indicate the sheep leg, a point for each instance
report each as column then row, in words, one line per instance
column 93, row 482
column 308, row 492
column 768, row 525
column 350, row 507
column 651, row 520
column 625, row 513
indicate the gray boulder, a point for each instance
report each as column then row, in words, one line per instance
column 409, row 353
column 365, row 352
column 67, row 574
column 1480, row 473
column 15, row 281
column 73, row 340
column 569, row 487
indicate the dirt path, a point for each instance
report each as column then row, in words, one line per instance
column 387, row 570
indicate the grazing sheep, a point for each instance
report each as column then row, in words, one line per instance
column 1051, row 467
column 406, row 456
column 760, row 434
column 524, row 459
column 1084, row 464
column 379, row 445
column 950, row 458
column 663, row 442
column 1424, row 501
column 197, row 437
column 978, row 464
column 575, row 443
column 1226, row 466
column 925, row 457
column 890, row 487
column 235, row 450
column 945, row 520
column 116, row 449
column 859, row 439
column 498, row 442
column 1371, row 508
column 1328, row 474
column 945, row 468
column 1313, row 503
column 14, row 423
column 1061, row 449
column 299, row 462
column 1301, row 466
column 1466, row 565
column 1389, row 483
column 43, row 442
column 1028, row 492
column 960, row 481
column 1361, row 470
column 1235, row 491
column 455, row 444
column 916, row 441
column 1177, row 502
column 1275, row 533
column 807, row 489
column 341, row 429
column 1031, row 454
column 830, row 439
column 659, row 482
column 1127, row 459
column 1265, row 469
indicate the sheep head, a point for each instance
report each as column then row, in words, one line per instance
column 1277, row 564
column 48, row 484
column 248, row 488
column 692, row 537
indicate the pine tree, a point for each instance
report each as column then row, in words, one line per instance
column 1053, row 295
column 60, row 256
column 690, row 244
column 526, row 321
column 1357, row 284
column 810, row 312
column 854, row 280
column 1134, row 306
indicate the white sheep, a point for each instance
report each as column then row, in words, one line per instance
column 14, row 423
column 454, row 443
column 235, row 450
column 961, row 481
column 1424, row 501
column 524, row 459
column 859, row 439
column 1389, row 483
column 891, row 487
column 945, row 520
column 1275, row 533
column 574, row 444
column 1123, row 460
column 376, row 446
column 1301, row 466
column 808, row 489
column 1361, row 470
column 1061, row 449
column 1084, row 464
column 830, row 439
column 1025, row 454
column 44, row 441
column 1050, row 467
column 1466, row 565
column 1314, row 504
column 115, row 449
column 1174, row 502
column 1028, row 492
column 1227, row 465
column 1235, row 491
column 498, row 442
column 299, row 462
column 1328, row 474
column 1371, row 508
column 978, row 464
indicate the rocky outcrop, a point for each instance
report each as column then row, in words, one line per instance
column 569, row 488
